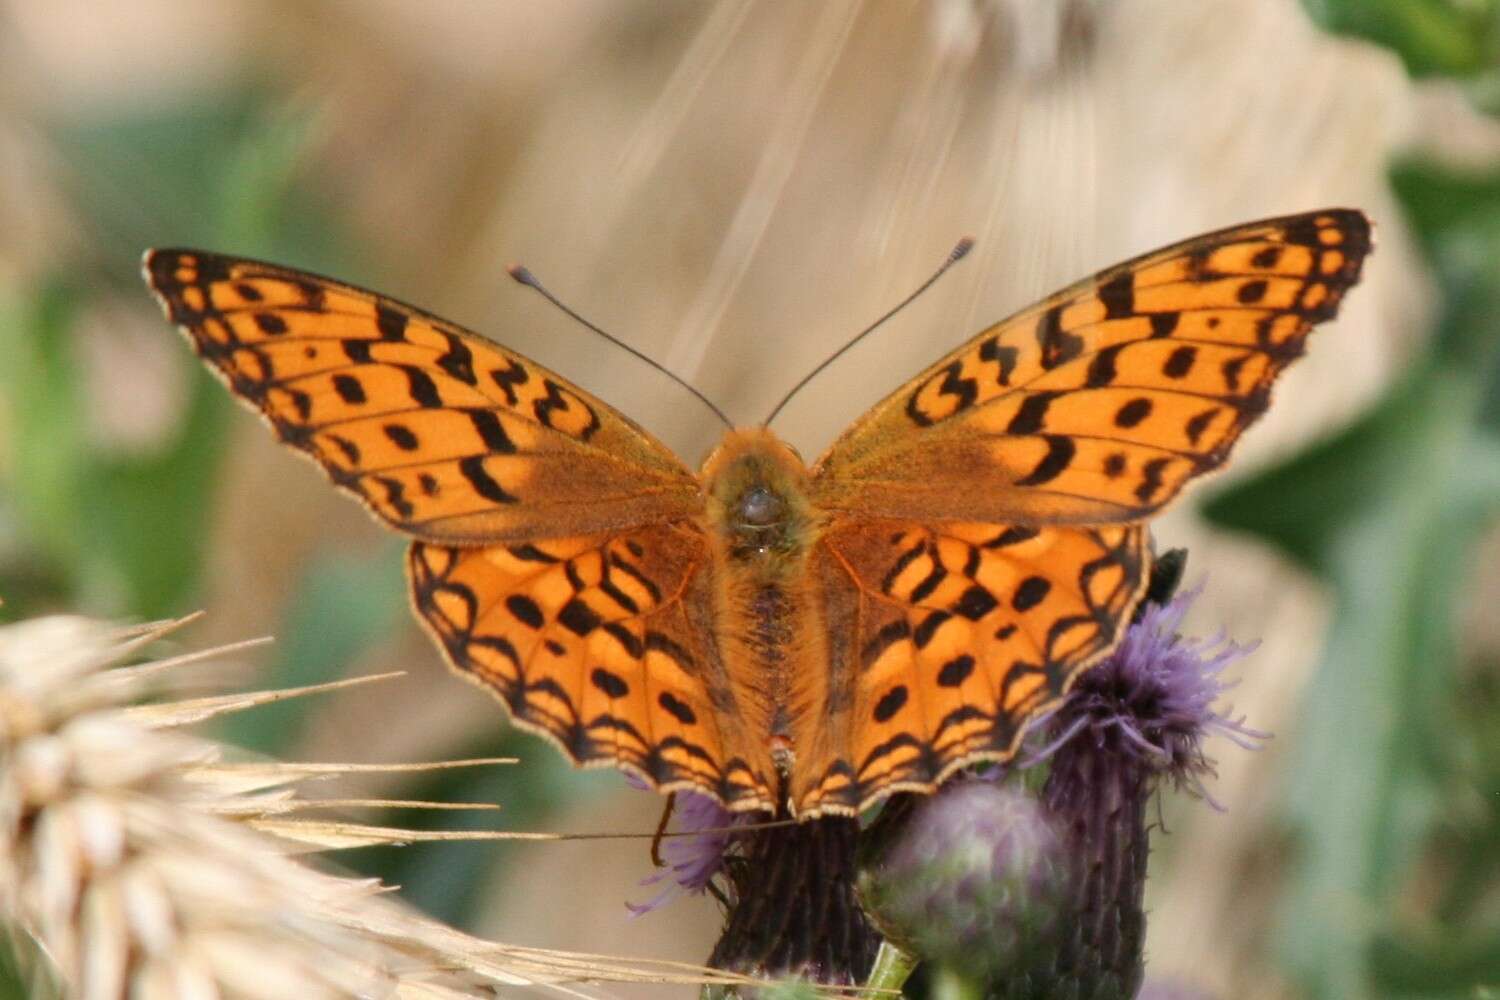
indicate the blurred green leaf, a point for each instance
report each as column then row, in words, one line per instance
column 1432, row 37
column 25, row 973
column 1389, row 510
column 340, row 609
column 1440, row 965
column 125, row 534
column 149, row 516
column 1455, row 943
column 218, row 172
column 46, row 429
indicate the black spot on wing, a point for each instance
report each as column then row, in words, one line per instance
column 395, row 497
column 1005, row 357
column 956, row 671
column 1266, row 257
column 1057, row 345
column 1180, row 362
column 661, row 643
column 577, row 617
column 612, row 684
column 1162, row 324
column 390, row 322
column 401, row 436
column 458, row 360
column 472, row 468
column 928, row 627
column 1031, row 592
column 1103, row 369
column 487, row 425
column 974, row 603
column 1199, row 423
column 678, row 709
column 1060, row 451
column 890, row 703
column 423, row 389
column 349, row 388
column 1252, row 292
column 1231, row 370
column 507, row 379
column 1011, row 536
column 622, row 600
column 1151, row 479
column 525, row 610
column 627, row 639
column 527, row 552
column 1133, row 412
column 349, row 449
column 1118, row 296
column 1032, row 413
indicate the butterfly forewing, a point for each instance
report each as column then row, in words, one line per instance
column 441, row 433
column 1097, row 405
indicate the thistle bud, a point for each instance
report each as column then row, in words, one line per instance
column 977, row 882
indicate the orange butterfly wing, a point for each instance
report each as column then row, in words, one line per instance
column 559, row 557
column 980, row 539
column 604, row 645
column 1098, row 404
column 1058, row 431
column 960, row 634
column 442, row 434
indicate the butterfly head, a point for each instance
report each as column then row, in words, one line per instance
column 757, row 488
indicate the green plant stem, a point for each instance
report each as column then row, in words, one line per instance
column 893, row 967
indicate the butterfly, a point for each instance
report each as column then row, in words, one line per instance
column 768, row 633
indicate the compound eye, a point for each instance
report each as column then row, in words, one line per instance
column 759, row 507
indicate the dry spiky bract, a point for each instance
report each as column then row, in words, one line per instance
column 129, row 854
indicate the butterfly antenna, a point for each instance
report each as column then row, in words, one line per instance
column 528, row 279
column 954, row 256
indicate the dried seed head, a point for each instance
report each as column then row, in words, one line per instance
column 138, row 862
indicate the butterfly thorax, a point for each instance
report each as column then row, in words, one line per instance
column 757, row 502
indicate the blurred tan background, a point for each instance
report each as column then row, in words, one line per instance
column 735, row 188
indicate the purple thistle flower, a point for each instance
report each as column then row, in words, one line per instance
column 691, row 862
column 1152, row 700
column 1138, row 717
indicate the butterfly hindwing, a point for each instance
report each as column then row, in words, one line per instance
column 963, row 634
column 1100, row 403
column 441, row 433
column 597, row 642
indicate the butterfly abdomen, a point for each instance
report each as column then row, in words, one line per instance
column 764, row 526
